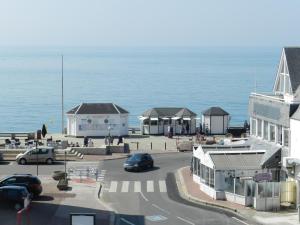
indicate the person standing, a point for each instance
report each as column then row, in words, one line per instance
column 85, row 141
column 120, row 140
column 187, row 128
column 169, row 131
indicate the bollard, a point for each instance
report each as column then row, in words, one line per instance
column 165, row 145
column 298, row 212
column 151, row 145
column 96, row 174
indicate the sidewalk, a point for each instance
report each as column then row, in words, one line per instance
column 190, row 190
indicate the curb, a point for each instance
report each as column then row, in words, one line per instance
column 185, row 195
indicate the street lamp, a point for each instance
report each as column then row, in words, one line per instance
column 109, row 139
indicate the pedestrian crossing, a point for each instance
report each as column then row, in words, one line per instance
column 149, row 186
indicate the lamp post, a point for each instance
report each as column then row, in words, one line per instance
column 37, row 154
column 62, row 94
column 109, row 139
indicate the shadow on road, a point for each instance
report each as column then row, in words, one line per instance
column 145, row 170
column 43, row 198
column 48, row 213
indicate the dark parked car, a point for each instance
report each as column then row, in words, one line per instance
column 138, row 162
column 32, row 183
column 14, row 196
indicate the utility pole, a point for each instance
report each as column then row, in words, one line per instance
column 62, row 94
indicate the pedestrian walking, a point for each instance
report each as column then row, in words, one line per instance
column 120, row 140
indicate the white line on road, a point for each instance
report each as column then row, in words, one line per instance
column 150, row 186
column 137, row 186
column 239, row 220
column 125, row 186
column 162, row 186
column 113, row 186
column 126, row 221
column 143, row 196
column 161, row 209
column 189, row 222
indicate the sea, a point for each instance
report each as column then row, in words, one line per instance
column 135, row 78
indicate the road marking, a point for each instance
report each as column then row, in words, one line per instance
column 239, row 220
column 182, row 219
column 125, row 186
column 137, row 186
column 143, row 196
column 126, row 221
column 150, row 186
column 162, row 186
column 113, row 186
column 161, row 209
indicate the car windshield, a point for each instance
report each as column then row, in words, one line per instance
column 136, row 157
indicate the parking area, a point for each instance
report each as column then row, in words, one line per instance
column 53, row 206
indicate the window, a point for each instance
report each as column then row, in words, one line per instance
column 279, row 134
column 206, row 177
column 229, row 181
column 272, row 133
column 253, row 128
column 202, row 171
column 212, row 178
column 153, row 122
column 167, row 122
column 266, row 130
column 286, row 137
column 259, row 129
column 43, row 151
column 239, row 186
column 10, row 181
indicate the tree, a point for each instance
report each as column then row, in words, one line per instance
column 44, row 130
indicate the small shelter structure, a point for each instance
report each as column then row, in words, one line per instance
column 159, row 121
column 215, row 120
column 97, row 120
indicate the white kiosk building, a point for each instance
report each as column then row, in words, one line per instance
column 215, row 120
column 97, row 120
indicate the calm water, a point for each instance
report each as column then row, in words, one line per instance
column 134, row 78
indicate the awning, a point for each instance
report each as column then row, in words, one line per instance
column 175, row 118
column 237, row 161
column 143, row 118
column 186, row 118
column 153, row 118
column 165, row 118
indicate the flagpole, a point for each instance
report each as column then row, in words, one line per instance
column 62, row 94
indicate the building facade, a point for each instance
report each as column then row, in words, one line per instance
column 97, row 120
column 159, row 121
column 215, row 120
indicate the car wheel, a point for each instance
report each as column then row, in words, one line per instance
column 152, row 165
column 49, row 161
column 18, row 206
column 22, row 161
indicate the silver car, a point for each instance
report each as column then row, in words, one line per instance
column 34, row 155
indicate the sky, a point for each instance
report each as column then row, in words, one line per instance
column 149, row 23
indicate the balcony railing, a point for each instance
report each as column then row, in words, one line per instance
column 268, row 96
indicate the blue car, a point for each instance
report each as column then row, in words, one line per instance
column 138, row 162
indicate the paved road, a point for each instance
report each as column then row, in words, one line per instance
column 142, row 198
